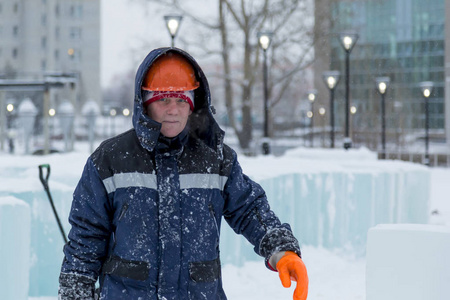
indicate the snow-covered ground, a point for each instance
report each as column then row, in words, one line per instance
column 332, row 274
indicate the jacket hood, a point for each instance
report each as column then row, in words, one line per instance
column 202, row 124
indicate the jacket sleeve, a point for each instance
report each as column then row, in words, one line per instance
column 248, row 212
column 89, row 236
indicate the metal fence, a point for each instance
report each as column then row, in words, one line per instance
column 435, row 159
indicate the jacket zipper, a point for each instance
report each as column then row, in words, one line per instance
column 211, row 210
column 123, row 211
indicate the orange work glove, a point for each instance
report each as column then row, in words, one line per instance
column 291, row 267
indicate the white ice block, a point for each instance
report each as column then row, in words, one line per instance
column 15, row 221
column 408, row 261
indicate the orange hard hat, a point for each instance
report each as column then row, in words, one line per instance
column 170, row 72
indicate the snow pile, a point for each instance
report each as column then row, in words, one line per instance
column 14, row 248
column 408, row 262
column 330, row 197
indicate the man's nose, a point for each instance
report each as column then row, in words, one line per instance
column 172, row 107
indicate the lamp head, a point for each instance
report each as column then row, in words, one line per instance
column 265, row 39
column 427, row 88
column 173, row 23
column 322, row 111
column 348, row 40
column 10, row 107
column 382, row 84
column 331, row 79
column 312, row 95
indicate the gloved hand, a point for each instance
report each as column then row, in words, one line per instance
column 73, row 286
column 291, row 267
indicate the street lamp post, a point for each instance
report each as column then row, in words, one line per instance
column 173, row 24
column 312, row 97
column 353, row 111
column 322, row 112
column 427, row 88
column 382, row 85
column 125, row 113
column 348, row 41
column 264, row 39
column 309, row 115
column 10, row 130
column 331, row 79
column 112, row 114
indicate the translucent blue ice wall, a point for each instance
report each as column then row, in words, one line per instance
column 46, row 242
column 14, row 248
column 330, row 198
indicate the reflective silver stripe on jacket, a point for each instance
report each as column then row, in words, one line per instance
column 124, row 180
column 203, row 181
column 187, row 181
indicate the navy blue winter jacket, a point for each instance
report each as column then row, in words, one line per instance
column 146, row 213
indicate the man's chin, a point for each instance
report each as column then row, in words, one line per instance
column 170, row 133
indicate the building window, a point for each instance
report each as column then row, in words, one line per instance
column 44, row 20
column 57, row 10
column 16, row 7
column 43, row 65
column 57, row 30
column 76, row 11
column 43, row 42
column 74, row 54
column 75, row 33
column 56, row 54
column 15, row 53
column 15, row 31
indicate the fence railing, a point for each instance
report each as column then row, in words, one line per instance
column 435, row 159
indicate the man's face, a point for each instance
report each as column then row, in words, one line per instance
column 172, row 113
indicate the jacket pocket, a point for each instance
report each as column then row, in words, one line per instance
column 205, row 271
column 137, row 270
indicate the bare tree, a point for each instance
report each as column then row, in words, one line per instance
column 120, row 91
column 237, row 23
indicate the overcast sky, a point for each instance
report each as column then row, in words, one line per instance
column 131, row 28
column 125, row 26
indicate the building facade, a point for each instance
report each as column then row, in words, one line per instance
column 447, row 73
column 53, row 37
column 403, row 40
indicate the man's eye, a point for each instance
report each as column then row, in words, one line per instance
column 182, row 101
